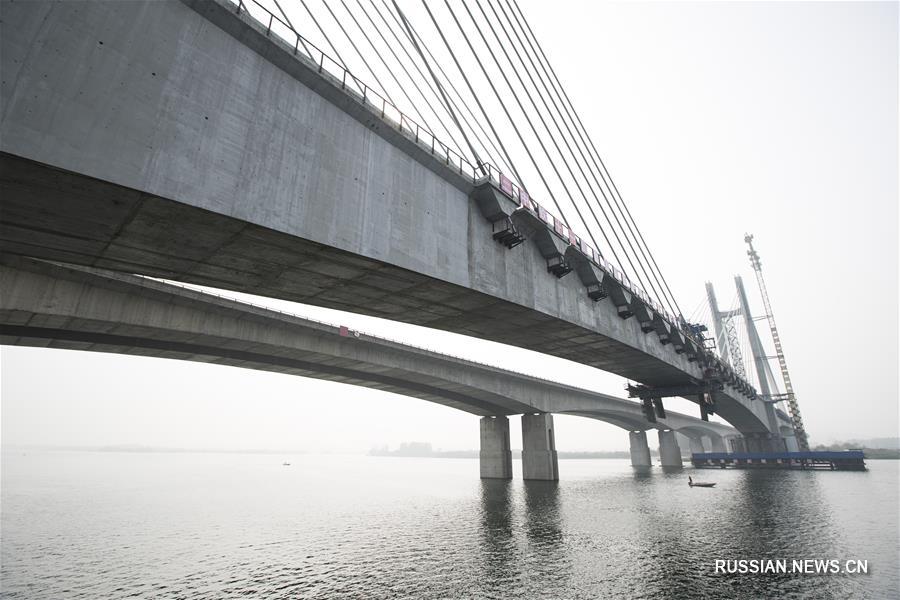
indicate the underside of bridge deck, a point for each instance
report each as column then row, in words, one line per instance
column 55, row 215
column 62, row 306
column 196, row 149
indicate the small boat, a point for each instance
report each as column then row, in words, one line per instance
column 693, row 483
column 285, row 464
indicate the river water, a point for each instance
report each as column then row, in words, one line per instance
column 182, row 525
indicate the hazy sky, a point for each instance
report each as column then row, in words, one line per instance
column 714, row 118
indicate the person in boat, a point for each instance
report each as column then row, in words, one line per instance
column 690, row 481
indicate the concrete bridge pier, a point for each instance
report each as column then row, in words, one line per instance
column 752, row 444
column 791, row 444
column 539, row 457
column 696, row 445
column 762, row 442
column 717, row 444
column 495, row 456
column 735, row 443
column 669, row 451
column 640, row 451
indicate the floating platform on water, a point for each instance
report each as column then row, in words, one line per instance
column 849, row 460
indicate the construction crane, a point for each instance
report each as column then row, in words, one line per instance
column 793, row 408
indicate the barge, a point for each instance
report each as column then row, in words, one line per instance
column 848, row 460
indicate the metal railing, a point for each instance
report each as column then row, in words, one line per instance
column 423, row 137
column 160, row 285
column 354, row 86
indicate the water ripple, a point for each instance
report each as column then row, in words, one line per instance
column 82, row 525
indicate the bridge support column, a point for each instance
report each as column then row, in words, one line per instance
column 790, row 442
column 696, row 445
column 495, row 457
column 751, row 443
column 718, row 443
column 539, row 458
column 669, row 451
column 736, row 444
column 640, row 451
column 762, row 442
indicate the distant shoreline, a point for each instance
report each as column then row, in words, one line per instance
column 425, row 450
column 516, row 454
column 405, row 451
column 165, row 450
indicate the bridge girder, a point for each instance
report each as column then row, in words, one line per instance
column 44, row 304
column 335, row 229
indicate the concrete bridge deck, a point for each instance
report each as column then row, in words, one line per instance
column 177, row 140
column 64, row 306
column 56, row 306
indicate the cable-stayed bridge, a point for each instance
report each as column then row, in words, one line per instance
column 211, row 142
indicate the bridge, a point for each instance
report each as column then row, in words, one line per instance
column 188, row 140
column 81, row 308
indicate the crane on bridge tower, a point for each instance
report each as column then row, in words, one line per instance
column 790, row 397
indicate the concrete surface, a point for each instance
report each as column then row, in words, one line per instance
column 148, row 137
column 717, row 444
column 495, row 455
column 696, row 445
column 539, row 457
column 669, row 451
column 640, row 450
column 57, row 306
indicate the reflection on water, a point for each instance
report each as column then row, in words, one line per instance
column 497, row 533
column 205, row 526
column 542, row 519
column 548, row 557
column 642, row 472
column 787, row 515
